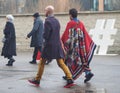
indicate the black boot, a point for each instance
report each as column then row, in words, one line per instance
column 88, row 77
column 10, row 62
column 33, row 62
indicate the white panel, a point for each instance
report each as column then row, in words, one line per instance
column 104, row 30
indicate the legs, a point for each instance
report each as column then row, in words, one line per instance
column 67, row 73
column 36, row 80
column 64, row 68
column 40, row 69
column 88, row 75
column 36, row 49
column 61, row 63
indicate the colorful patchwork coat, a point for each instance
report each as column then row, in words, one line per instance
column 79, row 48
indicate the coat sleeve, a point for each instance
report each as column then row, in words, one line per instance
column 35, row 28
column 47, row 30
column 65, row 35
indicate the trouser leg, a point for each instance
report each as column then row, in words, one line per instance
column 36, row 49
column 35, row 54
column 40, row 69
column 64, row 68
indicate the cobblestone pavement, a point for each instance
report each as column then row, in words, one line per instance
column 14, row 79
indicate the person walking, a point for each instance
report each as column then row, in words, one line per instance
column 79, row 47
column 52, row 48
column 9, row 41
column 36, row 36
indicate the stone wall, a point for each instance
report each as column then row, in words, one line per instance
column 24, row 24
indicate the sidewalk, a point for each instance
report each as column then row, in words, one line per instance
column 14, row 79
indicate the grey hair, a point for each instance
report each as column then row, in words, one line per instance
column 10, row 17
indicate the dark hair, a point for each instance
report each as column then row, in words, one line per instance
column 73, row 12
column 36, row 15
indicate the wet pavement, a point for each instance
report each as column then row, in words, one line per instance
column 14, row 79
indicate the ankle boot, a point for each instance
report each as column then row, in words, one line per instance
column 10, row 62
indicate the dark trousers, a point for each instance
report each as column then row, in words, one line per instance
column 36, row 49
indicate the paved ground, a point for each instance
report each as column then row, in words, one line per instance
column 14, row 79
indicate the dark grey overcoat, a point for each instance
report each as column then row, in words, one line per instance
column 52, row 45
column 9, row 46
column 37, row 33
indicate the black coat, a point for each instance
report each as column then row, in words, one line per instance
column 9, row 47
column 37, row 33
column 52, row 45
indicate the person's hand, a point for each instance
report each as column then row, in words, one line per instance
column 3, row 40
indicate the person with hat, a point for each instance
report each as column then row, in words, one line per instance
column 36, row 36
column 9, row 40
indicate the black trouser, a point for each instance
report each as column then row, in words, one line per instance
column 36, row 49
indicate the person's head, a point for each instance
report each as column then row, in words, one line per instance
column 73, row 13
column 49, row 10
column 36, row 15
column 10, row 18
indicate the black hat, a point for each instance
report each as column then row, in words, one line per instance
column 36, row 15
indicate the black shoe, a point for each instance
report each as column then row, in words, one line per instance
column 88, row 77
column 64, row 77
column 69, row 84
column 34, row 82
column 10, row 62
column 33, row 62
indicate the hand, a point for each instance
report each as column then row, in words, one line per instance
column 3, row 40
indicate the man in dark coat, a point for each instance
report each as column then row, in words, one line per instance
column 36, row 36
column 9, row 47
column 52, row 48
